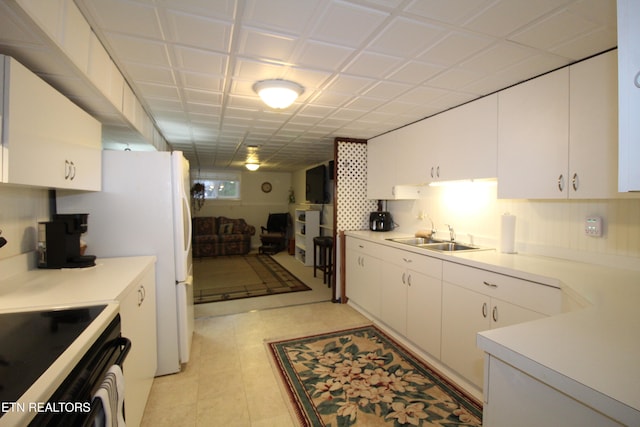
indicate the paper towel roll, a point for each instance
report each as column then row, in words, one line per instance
column 508, row 234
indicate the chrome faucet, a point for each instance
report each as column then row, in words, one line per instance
column 433, row 228
column 452, row 234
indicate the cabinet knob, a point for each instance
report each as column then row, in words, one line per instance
column 494, row 313
column 404, row 282
column 636, row 80
column 574, row 182
column 489, row 284
column 484, row 310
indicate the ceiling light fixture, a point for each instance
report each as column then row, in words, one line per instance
column 278, row 93
column 252, row 166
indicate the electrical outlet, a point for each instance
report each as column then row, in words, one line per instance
column 593, row 226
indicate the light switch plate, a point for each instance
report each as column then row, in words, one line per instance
column 593, row 226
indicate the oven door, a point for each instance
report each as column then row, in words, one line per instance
column 74, row 403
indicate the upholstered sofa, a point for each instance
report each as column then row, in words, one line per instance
column 213, row 236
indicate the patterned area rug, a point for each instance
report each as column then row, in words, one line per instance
column 362, row 377
column 235, row 276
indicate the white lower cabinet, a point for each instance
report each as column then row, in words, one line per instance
column 138, row 317
column 475, row 300
column 515, row 398
column 363, row 265
column 411, row 297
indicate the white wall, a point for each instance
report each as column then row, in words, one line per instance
column 546, row 227
column 21, row 208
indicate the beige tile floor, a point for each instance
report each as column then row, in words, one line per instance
column 229, row 380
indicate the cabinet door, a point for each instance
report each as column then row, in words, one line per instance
column 138, row 315
column 469, row 141
column 464, row 314
column 629, row 94
column 533, row 137
column 381, row 167
column 393, row 293
column 424, row 309
column 47, row 140
column 363, row 277
column 593, row 135
column 414, row 146
column 507, row 314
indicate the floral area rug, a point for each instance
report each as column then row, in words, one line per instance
column 231, row 277
column 362, row 377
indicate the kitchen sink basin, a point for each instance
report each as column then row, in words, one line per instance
column 449, row 247
column 435, row 244
column 415, row 241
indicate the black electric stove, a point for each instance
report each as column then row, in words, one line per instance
column 31, row 341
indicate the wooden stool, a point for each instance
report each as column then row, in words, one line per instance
column 325, row 264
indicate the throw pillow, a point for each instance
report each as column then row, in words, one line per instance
column 226, row 228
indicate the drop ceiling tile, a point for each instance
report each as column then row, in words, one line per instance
column 202, row 81
column 153, row 90
column 349, row 84
column 498, row 57
column 375, row 65
column 139, row 50
column 199, row 60
column 449, row 11
column 454, row 78
column 325, row 56
column 387, row 90
column 266, row 45
column 392, row 40
column 224, row 9
column 152, row 74
column 553, row 30
column 347, row 24
column 597, row 41
column 506, row 16
column 455, row 47
column 189, row 29
column 127, row 17
column 415, row 72
column 292, row 16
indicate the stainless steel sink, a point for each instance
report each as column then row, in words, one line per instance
column 449, row 247
column 415, row 241
column 435, row 244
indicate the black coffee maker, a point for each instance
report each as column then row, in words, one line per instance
column 59, row 242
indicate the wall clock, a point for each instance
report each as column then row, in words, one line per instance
column 266, row 187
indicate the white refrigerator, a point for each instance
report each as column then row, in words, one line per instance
column 144, row 209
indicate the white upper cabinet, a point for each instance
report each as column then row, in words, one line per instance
column 629, row 95
column 47, row 140
column 381, row 167
column 533, row 135
column 463, row 142
column 593, row 128
column 557, row 135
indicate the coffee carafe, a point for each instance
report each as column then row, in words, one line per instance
column 59, row 242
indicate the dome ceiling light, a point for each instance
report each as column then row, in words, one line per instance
column 252, row 166
column 278, row 93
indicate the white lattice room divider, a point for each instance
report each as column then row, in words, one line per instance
column 352, row 205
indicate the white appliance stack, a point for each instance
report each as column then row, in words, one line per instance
column 144, row 209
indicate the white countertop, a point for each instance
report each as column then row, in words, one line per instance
column 66, row 288
column 591, row 351
column 104, row 282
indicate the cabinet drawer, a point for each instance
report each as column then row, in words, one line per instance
column 420, row 263
column 534, row 296
column 364, row 246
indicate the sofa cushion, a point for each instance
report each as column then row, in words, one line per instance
column 204, row 226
